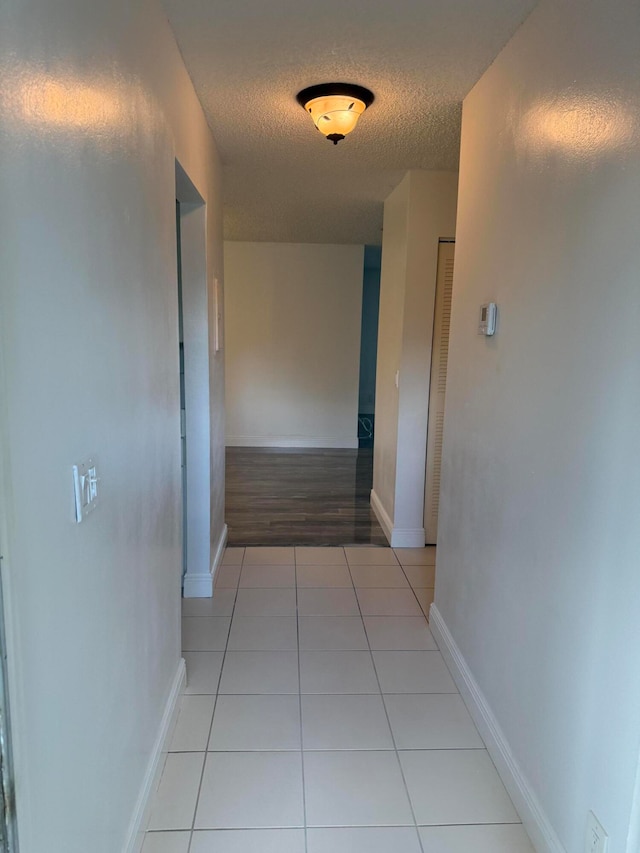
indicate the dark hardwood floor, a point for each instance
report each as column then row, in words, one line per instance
column 300, row 497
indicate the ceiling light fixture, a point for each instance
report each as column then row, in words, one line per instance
column 335, row 107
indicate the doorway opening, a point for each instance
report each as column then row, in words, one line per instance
column 193, row 361
column 183, row 410
column 369, row 345
column 301, row 332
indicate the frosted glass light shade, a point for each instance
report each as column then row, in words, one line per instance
column 335, row 113
column 335, row 107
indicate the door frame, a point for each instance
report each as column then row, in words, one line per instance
column 195, row 313
column 8, row 655
column 8, row 825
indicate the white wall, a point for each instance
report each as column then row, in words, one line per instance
column 538, row 578
column 392, row 282
column 96, row 104
column 420, row 211
column 292, row 333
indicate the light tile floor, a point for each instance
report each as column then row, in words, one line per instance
column 320, row 717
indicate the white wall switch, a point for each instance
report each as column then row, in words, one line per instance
column 85, row 488
column 597, row 840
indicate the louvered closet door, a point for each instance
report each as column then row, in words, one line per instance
column 439, row 356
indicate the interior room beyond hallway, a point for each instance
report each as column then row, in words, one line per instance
column 292, row 496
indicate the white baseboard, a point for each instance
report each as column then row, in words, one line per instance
column 412, row 537
column 381, row 514
column 140, row 818
column 197, row 586
column 533, row 817
column 397, row 537
column 201, row 585
column 219, row 554
column 346, row 443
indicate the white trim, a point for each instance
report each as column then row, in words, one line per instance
column 200, row 585
column 220, row 549
column 197, row 586
column 140, row 817
column 411, row 537
column 381, row 514
column 347, row 443
column 524, row 797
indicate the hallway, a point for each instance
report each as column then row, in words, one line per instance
column 320, row 716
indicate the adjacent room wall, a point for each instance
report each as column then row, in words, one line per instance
column 96, row 106
column 420, row 211
column 539, row 537
column 292, row 330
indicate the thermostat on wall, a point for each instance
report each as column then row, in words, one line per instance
column 487, row 325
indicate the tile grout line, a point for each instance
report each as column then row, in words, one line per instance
column 393, row 739
column 414, row 594
column 325, row 693
column 215, row 704
column 399, row 564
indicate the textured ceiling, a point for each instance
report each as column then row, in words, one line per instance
column 283, row 180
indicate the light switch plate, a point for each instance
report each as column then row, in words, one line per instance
column 85, row 488
column 597, row 840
